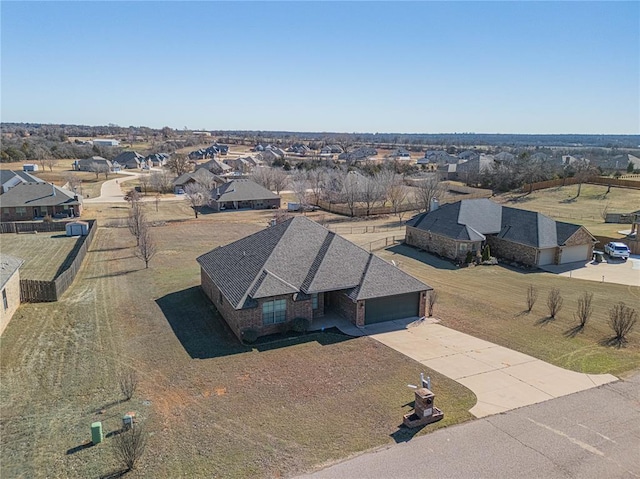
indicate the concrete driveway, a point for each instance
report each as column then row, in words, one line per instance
column 502, row 379
column 608, row 271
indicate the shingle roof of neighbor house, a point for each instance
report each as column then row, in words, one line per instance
column 201, row 175
column 242, row 190
column 471, row 220
column 38, row 194
column 8, row 266
column 6, row 175
column 301, row 257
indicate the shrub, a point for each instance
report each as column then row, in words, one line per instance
column 469, row 257
column 128, row 381
column 300, row 325
column 554, row 302
column 583, row 313
column 622, row 319
column 486, row 253
column 532, row 296
column 128, row 446
column 249, row 335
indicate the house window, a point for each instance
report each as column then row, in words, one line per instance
column 5, row 303
column 314, row 301
column 463, row 247
column 274, row 311
column 21, row 210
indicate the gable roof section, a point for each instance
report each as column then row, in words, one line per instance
column 300, row 256
column 8, row 266
column 564, row 231
column 471, row 220
column 37, row 194
column 242, row 190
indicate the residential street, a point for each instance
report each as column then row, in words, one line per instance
column 589, row 434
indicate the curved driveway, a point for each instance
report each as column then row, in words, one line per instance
column 501, row 378
column 110, row 191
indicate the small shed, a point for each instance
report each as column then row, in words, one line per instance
column 77, row 228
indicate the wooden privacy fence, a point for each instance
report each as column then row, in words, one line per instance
column 34, row 291
column 359, row 210
column 634, row 245
column 363, row 229
column 385, row 242
column 596, row 180
column 28, row 226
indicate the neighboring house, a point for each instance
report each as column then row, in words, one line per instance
column 209, row 152
column 28, row 201
column 299, row 269
column 331, row 150
column 437, row 156
column 130, row 160
column 242, row 165
column 362, row 153
column 201, row 176
column 568, row 160
column 400, row 154
column 216, row 166
column 504, row 157
column 300, row 149
column 86, row 163
column 269, row 155
column 9, row 288
column 240, row 194
column 471, row 170
column 105, row 142
column 156, row 159
column 10, row 178
column 527, row 237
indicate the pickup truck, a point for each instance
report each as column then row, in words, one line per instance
column 617, row 250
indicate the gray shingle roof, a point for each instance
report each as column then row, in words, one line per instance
column 8, row 266
column 242, row 190
column 23, row 176
column 300, row 256
column 470, row 220
column 201, row 175
column 38, row 194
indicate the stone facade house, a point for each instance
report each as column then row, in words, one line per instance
column 243, row 194
column 201, row 176
column 527, row 237
column 9, row 288
column 28, row 201
column 299, row 269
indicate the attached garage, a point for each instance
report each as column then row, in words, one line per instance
column 389, row 308
column 571, row 254
column 546, row 256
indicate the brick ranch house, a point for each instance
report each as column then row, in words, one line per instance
column 241, row 194
column 299, row 269
column 527, row 237
column 28, row 201
column 9, row 287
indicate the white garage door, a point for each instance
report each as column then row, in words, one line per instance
column 547, row 256
column 574, row 253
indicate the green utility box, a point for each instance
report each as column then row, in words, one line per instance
column 96, row 432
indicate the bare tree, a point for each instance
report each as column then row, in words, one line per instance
column 554, row 302
column 622, row 319
column 351, row 190
column 161, row 181
column 316, row 180
column 197, row 195
column 128, row 381
column 604, row 211
column 145, row 182
column 532, row 296
column 263, row 177
column 333, row 190
column 132, row 197
column 371, row 192
column 432, row 299
column 146, row 248
column 98, row 168
column 73, row 181
column 300, row 184
column 179, row 164
column 280, row 180
column 427, row 190
column 51, row 162
column 129, row 446
column 583, row 313
column 397, row 194
column 136, row 221
column 583, row 171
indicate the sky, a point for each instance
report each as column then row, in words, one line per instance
column 387, row 67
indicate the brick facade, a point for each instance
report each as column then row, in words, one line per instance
column 28, row 213
column 513, row 251
column 441, row 245
column 12, row 291
column 271, row 203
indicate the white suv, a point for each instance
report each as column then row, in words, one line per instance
column 617, row 250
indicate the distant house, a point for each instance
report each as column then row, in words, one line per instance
column 243, row 165
column 156, row 159
column 470, row 170
column 201, row 176
column 130, row 160
column 331, row 150
column 27, row 201
column 504, row 157
column 528, row 237
column 400, row 154
column 299, row 270
column 300, row 149
column 105, row 142
column 241, row 194
column 86, row 163
column 362, row 153
column 9, row 288
column 209, row 152
column 10, row 178
column 216, row 166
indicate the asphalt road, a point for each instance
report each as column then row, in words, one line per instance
column 589, row 434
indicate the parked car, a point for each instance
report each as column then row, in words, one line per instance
column 617, row 250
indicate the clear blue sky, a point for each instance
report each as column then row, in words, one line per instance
column 420, row 67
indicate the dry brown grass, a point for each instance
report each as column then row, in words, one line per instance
column 213, row 406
